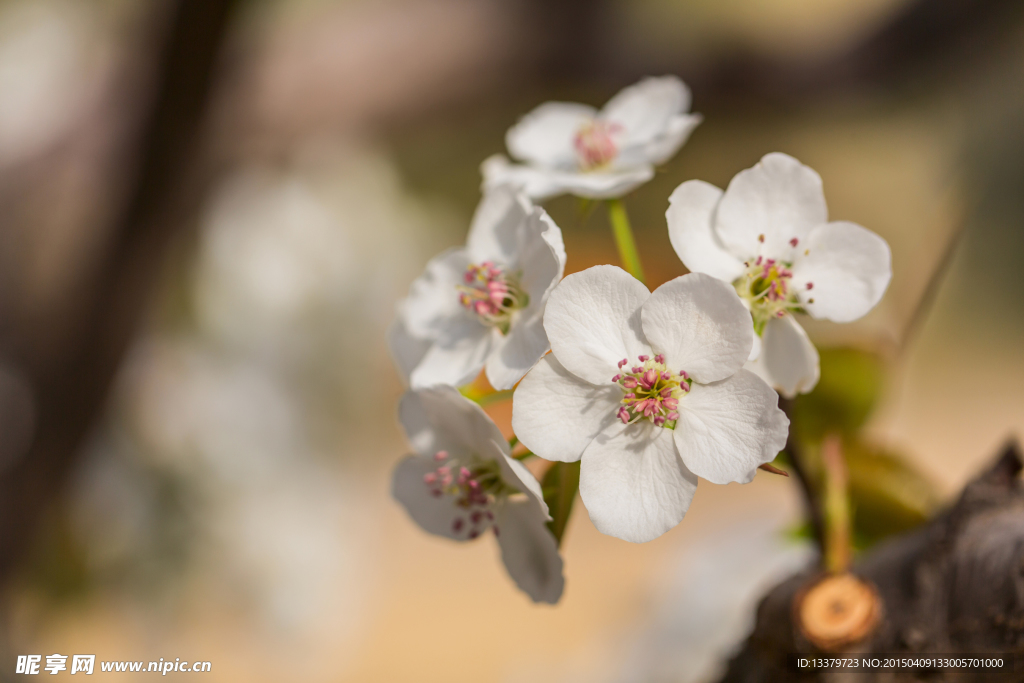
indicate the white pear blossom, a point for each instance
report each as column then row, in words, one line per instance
column 462, row 483
column 482, row 305
column 769, row 236
column 648, row 389
column 573, row 148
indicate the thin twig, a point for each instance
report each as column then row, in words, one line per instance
column 768, row 467
column 931, row 289
column 812, row 502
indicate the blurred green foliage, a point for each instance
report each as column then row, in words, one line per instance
column 57, row 566
column 887, row 494
column 850, row 386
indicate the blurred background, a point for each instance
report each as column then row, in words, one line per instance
column 208, row 210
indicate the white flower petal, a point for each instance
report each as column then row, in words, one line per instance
column 593, row 321
column 645, row 109
column 788, row 361
column 499, row 227
column 515, row 474
column 539, row 262
column 457, row 361
column 608, row 184
column 664, row 147
column 536, row 183
column 727, row 429
column 433, row 302
column 850, row 267
column 755, row 366
column 540, row 258
column 529, row 551
column 633, row 482
column 779, row 198
column 545, row 137
column 435, row 515
column 406, row 350
column 700, row 325
column 514, row 354
column 540, row 184
column 690, row 216
column 442, row 419
column 755, row 350
column 556, row 414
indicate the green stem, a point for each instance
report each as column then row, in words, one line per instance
column 560, row 484
column 837, row 507
column 624, row 241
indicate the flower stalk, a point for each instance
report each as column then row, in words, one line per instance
column 836, row 506
column 624, row 241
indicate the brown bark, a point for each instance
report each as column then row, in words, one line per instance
column 954, row 586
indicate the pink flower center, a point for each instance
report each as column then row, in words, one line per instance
column 475, row 490
column 595, row 144
column 767, row 287
column 492, row 293
column 651, row 391
column 771, row 279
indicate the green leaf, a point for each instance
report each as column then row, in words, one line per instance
column 888, row 495
column 850, row 385
column 560, row 484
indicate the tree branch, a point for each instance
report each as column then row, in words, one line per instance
column 70, row 386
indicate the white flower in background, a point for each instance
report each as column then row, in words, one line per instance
column 576, row 149
column 768, row 235
column 462, row 483
column 482, row 305
column 648, row 389
column 273, row 260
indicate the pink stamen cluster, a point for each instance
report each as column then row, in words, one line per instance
column 766, row 286
column 775, row 277
column 453, row 479
column 651, row 391
column 487, row 287
column 492, row 293
column 595, row 145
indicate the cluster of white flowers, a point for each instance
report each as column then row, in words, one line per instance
column 648, row 390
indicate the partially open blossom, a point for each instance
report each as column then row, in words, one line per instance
column 462, row 484
column 769, row 236
column 576, row 149
column 481, row 306
column 648, row 389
